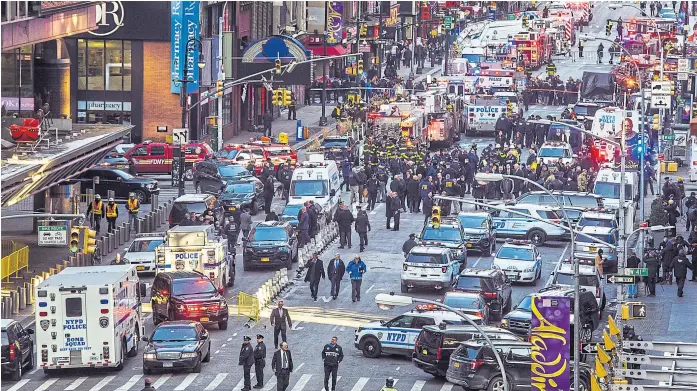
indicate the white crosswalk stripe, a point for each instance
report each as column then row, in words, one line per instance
column 240, row 384
column 189, row 379
column 18, row 385
column 102, row 383
column 360, row 384
column 161, row 381
column 130, row 383
column 270, row 384
column 447, row 387
column 74, row 385
column 304, row 379
column 45, row 385
column 418, row 385
column 216, row 382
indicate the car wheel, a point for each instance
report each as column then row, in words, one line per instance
column 197, row 368
column 17, row 374
column 405, row 288
column 537, row 237
column 496, row 384
column 123, row 356
column 245, row 266
column 147, row 371
column 134, row 350
column 208, row 355
column 140, row 196
column 222, row 325
column 371, row 348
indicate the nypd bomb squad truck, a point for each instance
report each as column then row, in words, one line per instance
column 196, row 248
column 89, row 317
column 481, row 116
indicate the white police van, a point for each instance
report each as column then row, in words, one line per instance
column 553, row 151
column 398, row 335
column 482, row 116
column 89, row 317
column 511, row 224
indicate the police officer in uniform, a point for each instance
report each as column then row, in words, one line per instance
column 96, row 207
column 247, row 360
column 259, row 361
column 332, row 355
column 285, row 174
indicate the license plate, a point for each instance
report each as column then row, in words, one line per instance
column 167, row 364
column 265, row 259
column 469, row 245
column 204, row 320
column 232, row 208
column 119, row 166
column 139, row 268
column 593, row 249
column 512, row 276
column 456, row 364
column 425, row 352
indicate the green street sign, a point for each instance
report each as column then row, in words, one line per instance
column 643, row 272
column 668, row 137
column 448, row 21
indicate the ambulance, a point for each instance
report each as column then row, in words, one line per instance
column 607, row 185
column 196, row 248
column 89, row 317
column 607, row 123
column 318, row 180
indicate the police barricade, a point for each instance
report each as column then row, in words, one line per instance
column 248, row 305
column 284, row 278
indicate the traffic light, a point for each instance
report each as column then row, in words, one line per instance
column 425, row 12
column 277, row 97
column 286, row 98
column 672, row 89
column 509, row 106
column 89, row 241
column 608, row 28
column 441, row 29
column 278, row 65
column 360, row 67
column 656, row 122
column 219, row 86
column 74, row 239
column 435, row 216
column 364, row 30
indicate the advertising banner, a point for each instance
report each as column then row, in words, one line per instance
column 185, row 25
column 335, row 23
column 551, row 341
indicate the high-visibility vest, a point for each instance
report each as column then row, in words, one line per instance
column 97, row 208
column 133, row 205
column 111, row 211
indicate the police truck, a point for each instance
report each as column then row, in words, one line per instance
column 482, row 116
column 89, row 317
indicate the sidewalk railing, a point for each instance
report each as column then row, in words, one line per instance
column 248, row 305
column 14, row 262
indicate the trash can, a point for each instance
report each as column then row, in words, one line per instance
column 283, row 138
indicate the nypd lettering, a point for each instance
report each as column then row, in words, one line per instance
column 397, row 337
column 75, row 324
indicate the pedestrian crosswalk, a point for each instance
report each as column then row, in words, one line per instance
column 222, row 381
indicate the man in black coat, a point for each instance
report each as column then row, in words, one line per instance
column 392, row 210
column 267, row 119
column 315, row 272
column 362, row 227
column 335, row 273
column 282, row 365
column 413, row 194
column 332, row 355
column 247, row 360
column 312, row 214
column 344, row 220
column 268, row 193
column 680, row 266
column 259, row 361
column 372, row 186
column 285, row 174
column 652, row 265
column 409, row 244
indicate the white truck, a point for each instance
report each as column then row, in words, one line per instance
column 482, row 116
column 318, row 180
column 196, row 248
column 89, row 317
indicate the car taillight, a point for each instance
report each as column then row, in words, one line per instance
column 12, row 352
column 405, row 267
column 105, row 352
column 489, row 295
column 192, row 308
column 479, row 314
column 444, row 269
column 476, row 364
column 214, row 307
column 439, row 353
column 694, row 163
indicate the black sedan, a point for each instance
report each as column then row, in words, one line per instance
column 121, row 182
column 177, row 345
column 245, row 193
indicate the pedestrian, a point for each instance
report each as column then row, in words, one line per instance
column 409, row 244
column 260, row 361
column 372, row 186
column 335, row 273
column 632, row 263
column 280, row 321
column 272, row 216
column 133, row 206
column 291, row 106
column 680, row 266
column 112, row 213
column 267, row 119
column 303, row 227
column 282, row 365
column 600, row 50
column 148, row 385
column 269, row 192
column 332, row 355
column 652, row 265
column 580, row 49
column 344, row 220
column 362, row 227
column 355, row 269
column 599, row 260
column 96, row 209
column 247, row 360
column 392, row 207
column 245, row 223
column 315, row 272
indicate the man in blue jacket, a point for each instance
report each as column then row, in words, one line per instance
column 355, row 270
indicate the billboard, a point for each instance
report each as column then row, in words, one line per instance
column 551, row 341
column 335, row 23
column 185, row 25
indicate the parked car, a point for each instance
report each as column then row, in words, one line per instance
column 121, row 182
column 449, row 234
column 493, row 285
column 156, row 158
column 141, row 251
column 211, row 176
column 339, row 147
column 429, row 267
column 514, row 223
column 270, row 243
column 198, row 204
column 17, row 349
column 243, row 193
column 567, row 198
column 177, row 345
column 290, row 213
column 114, row 160
column 471, row 303
column 520, row 260
column 480, row 233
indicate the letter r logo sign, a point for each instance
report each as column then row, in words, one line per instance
column 109, row 14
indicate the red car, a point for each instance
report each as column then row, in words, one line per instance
column 259, row 152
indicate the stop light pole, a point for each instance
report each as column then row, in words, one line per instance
column 323, row 118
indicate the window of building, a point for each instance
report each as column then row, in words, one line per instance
column 95, row 65
column 17, row 87
column 104, row 65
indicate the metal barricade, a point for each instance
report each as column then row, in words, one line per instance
column 248, row 305
column 15, row 261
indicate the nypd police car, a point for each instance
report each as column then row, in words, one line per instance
column 520, row 260
column 398, row 335
column 511, row 224
column 554, row 151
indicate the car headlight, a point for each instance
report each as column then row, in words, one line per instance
column 189, row 355
column 504, row 322
column 149, row 356
column 150, row 186
column 284, row 249
column 529, row 269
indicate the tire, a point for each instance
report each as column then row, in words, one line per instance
column 208, row 355
column 140, row 196
column 197, row 368
column 222, row 325
column 245, row 266
column 134, row 350
column 123, row 356
column 537, row 237
column 371, row 348
column 405, row 288
column 30, row 362
column 496, row 384
column 17, row 373
column 147, row 371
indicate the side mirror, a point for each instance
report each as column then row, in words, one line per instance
column 551, row 273
column 145, row 339
column 29, row 331
column 332, row 192
column 142, row 287
column 382, row 322
column 204, row 336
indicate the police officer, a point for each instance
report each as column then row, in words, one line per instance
column 112, row 213
column 247, row 360
column 291, row 107
column 285, row 174
column 389, row 385
column 96, row 208
column 259, row 361
column 409, row 244
column 133, row 206
column 332, row 355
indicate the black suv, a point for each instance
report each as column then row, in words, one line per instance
column 270, row 243
column 493, row 285
column 480, row 233
column 198, row 204
column 473, row 366
column 518, row 320
column 435, row 344
column 211, row 176
column 338, row 148
column 188, row 296
column 243, row 193
column 121, row 182
column 17, row 348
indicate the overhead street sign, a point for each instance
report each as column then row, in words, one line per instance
column 660, row 101
column 660, row 88
column 641, row 271
column 619, row 279
column 683, row 65
column 589, row 348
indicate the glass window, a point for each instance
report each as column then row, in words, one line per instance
column 525, row 304
column 114, row 66
column 95, row 66
column 437, row 259
column 126, row 71
column 81, row 65
column 268, row 234
column 472, row 221
column 420, row 322
column 309, row 188
column 462, row 302
column 518, row 253
column 403, row 321
column 139, row 246
column 157, row 150
column 233, row 171
column 190, row 286
column 175, row 334
column 443, row 234
column 73, row 307
column 239, row 188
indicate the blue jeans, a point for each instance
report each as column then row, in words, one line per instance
column 632, row 290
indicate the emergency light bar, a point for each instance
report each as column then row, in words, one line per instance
column 517, row 241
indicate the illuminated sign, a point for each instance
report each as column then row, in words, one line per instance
column 550, row 339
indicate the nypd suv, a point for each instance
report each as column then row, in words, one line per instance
column 511, row 224
column 520, row 260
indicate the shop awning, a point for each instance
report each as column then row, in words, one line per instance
column 332, row 50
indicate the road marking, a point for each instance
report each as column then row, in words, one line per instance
column 295, row 326
column 161, row 380
column 360, row 384
column 19, row 385
column 130, row 383
column 370, row 289
column 477, row 261
column 187, row 381
column 561, row 257
column 230, row 339
column 342, row 328
column 290, row 291
column 74, row 385
column 418, row 385
column 335, row 327
column 102, row 383
column 48, row 383
column 447, row 387
column 217, row 351
column 270, row 385
column 395, row 382
column 34, row 370
column 299, row 366
column 223, row 345
column 326, row 299
column 304, row 379
column 337, row 380
column 239, row 385
column 397, row 369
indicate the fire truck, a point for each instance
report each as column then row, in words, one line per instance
column 535, row 47
column 259, row 151
column 441, row 129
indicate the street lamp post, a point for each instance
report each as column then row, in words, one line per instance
column 654, row 228
column 387, row 301
column 323, row 118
